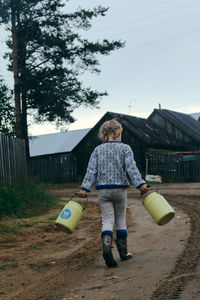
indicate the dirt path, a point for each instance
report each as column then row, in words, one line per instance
column 40, row 262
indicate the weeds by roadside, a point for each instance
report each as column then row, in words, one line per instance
column 14, row 225
column 13, row 265
column 25, row 200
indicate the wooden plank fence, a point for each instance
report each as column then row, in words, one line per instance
column 53, row 168
column 69, row 167
column 13, row 166
column 175, row 167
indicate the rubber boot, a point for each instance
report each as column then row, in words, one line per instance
column 121, row 243
column 106, row 237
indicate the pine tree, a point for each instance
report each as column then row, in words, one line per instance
column 6, row 111
column 47, row 56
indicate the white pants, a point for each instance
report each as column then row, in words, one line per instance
column 113, row 208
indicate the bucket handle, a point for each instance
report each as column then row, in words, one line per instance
column 84, row 207
column 152, row 188
column 143, row 193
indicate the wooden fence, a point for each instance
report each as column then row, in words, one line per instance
column 13, row 167
column 53, row 168
column 175, row 166
column 58, row 168
column 69, row 167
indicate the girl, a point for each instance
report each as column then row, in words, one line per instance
column 109, row 165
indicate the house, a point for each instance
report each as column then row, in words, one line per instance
column 51, row 157
column 139, row 134
column 163, row 135
column 182, row 127
column 156, row 140
column 182, row 163
column 55, row 143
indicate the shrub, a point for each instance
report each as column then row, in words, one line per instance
column 25, row 200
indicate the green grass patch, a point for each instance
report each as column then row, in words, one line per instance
column 37, row 246
column 52, row 218
column 2, row 267
column 9, row 227
column 34, row 246
column 25, row 200
column 15, row 225
column 15, row 264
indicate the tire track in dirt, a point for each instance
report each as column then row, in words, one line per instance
column 68, row 269
column 184, row 269
column 57, row 277
column 44, row 272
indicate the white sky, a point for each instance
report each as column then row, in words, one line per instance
column 159, row 64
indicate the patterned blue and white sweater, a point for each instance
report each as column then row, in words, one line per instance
column 109, row 165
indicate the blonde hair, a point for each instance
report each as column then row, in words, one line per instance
column 109, row 128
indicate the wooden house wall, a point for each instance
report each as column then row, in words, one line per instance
column 66, row 167
column 139, row 148
column 87, row 145
column 182, row 138
column 84, row 150
column 57, row 168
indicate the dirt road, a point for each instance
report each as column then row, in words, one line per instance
column 39, row 262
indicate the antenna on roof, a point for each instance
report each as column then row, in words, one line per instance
column 130, row 105
column 159, row 105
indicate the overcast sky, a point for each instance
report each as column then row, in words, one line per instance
column 159, row 64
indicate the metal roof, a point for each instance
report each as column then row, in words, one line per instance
column 145, row 129
column 56, row 142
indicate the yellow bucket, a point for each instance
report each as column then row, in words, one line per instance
column 69, row 216
column 158, row 208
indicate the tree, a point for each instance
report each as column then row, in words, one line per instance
column 48, row 55
column 7, row 123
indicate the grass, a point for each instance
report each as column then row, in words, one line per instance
column 25, row 200
column 2, row 267
column 15, row 225
column 35, row 246
column 13, row 265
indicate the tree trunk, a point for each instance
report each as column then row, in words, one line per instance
column 24, row 122
column 18, row 125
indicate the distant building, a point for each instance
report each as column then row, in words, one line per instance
column 162, row 136
column 55, row 143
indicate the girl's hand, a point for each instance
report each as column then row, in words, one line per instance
column 144, row 188
column 81, row 194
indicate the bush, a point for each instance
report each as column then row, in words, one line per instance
column 25, row 200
